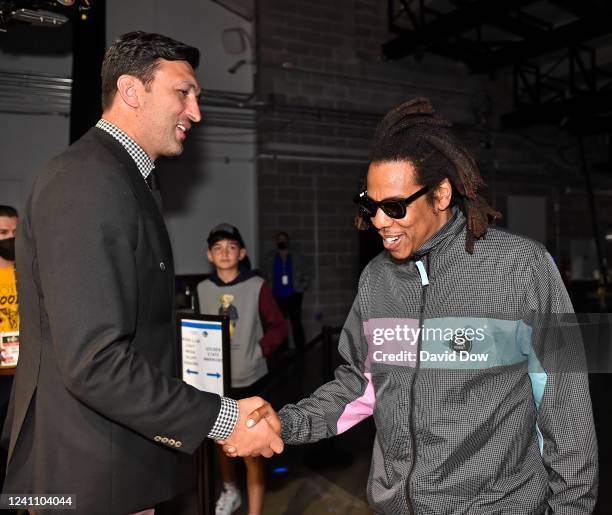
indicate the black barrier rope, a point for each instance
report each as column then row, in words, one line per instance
column 283, row 365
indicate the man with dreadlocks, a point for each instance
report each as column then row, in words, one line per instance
column 448, row 346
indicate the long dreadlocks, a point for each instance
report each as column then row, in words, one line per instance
column 411, row 132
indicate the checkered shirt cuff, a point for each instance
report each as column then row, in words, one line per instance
column 226, row 420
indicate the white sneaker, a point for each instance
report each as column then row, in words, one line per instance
column 229, row 501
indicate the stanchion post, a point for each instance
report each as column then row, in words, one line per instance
column 206, row 481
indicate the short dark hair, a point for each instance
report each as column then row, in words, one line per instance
column 411, row 132
column 8, row 211
column 138, row 53
column 224, row 232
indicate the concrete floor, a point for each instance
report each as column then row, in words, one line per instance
column 319, row 479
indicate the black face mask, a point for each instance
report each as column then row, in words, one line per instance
column 7, row 249
column 282, row 245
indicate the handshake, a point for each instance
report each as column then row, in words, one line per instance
column 251, row 438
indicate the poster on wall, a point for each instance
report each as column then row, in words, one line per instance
column 204, row 350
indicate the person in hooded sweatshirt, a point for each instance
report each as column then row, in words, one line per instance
column 257, row 328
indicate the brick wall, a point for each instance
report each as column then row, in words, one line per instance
column 324, row 86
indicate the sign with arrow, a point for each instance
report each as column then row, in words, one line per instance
column 204, row 351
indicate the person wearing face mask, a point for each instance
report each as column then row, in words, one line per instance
column 289, row 276
column 9, row 313
column 9, row 306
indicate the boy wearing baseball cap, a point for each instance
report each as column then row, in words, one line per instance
column 257, row 328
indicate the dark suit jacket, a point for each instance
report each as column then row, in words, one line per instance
column 97, row 409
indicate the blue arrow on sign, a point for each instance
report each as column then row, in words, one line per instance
column 189, row 371
column 216, row 374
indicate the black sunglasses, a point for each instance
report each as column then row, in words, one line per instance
column 392, row 208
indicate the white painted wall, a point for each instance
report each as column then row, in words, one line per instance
column 215, row 179
column 210, row 183
column 198, row 23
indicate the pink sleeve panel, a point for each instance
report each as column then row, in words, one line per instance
column 359, row 409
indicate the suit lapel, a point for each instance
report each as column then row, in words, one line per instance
column 160, row 239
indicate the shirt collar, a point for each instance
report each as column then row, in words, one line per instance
column 140, row 157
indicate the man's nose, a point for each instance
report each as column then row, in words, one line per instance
column 193, row 111
column 381, row 220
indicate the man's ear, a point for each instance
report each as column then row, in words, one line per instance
column 443, row 195
column 241, row 254
column 209, row 254
column 129, row 87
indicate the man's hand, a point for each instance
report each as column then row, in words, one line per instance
column 264, row 411
column 250, row 438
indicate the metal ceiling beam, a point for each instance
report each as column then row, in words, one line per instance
column 517, row 26
column 461, row 49
column 457, row 22
column 563, row 37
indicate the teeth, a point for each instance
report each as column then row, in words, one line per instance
column 182, row 127
column 392, row 239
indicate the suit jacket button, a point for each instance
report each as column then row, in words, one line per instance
column 157, row 438
column 178, row 444
column 164, row 440
column 172, row 441
column 162, row 266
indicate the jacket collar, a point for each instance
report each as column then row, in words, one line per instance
column 452, row 228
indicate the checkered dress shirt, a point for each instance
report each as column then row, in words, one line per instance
column 140, row 157
column 228, row 414
column 226, row 419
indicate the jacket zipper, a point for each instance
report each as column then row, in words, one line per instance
column 424, row 289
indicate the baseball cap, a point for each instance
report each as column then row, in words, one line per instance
column 224, row 232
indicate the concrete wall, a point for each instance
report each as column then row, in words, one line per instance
column 29, row 140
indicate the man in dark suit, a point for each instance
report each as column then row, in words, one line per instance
column 97, row 410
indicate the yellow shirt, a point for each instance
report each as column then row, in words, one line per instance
column 9, row 304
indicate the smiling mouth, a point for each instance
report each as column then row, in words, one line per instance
column 391, row 239
column 392, row 242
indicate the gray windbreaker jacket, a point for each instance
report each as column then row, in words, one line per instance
column 480, row 406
